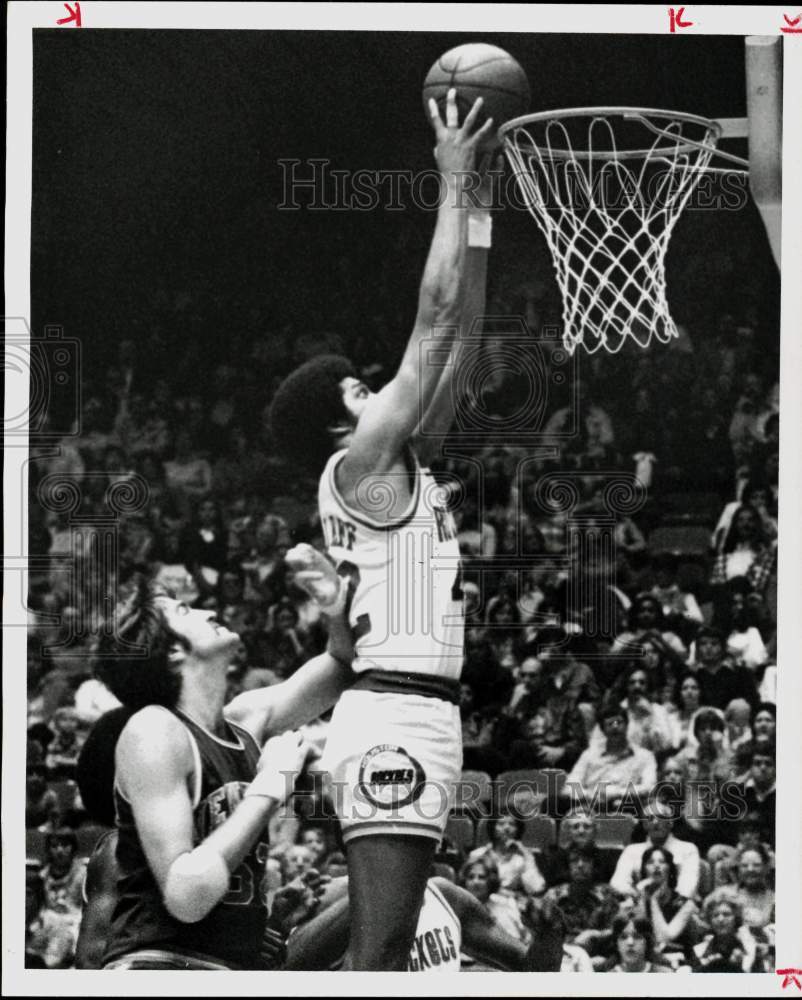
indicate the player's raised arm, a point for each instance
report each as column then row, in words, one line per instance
column 317, row 685
column 437, row 419
column 390, row 417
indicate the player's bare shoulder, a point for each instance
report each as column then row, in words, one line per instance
column 153, row 738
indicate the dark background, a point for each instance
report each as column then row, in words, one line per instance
column 155, row 178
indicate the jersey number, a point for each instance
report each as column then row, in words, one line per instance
column 349, row 572
column 242, row 886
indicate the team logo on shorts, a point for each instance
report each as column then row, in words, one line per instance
column 389, row 777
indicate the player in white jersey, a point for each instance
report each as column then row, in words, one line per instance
column 394, row 748
column 452, row 922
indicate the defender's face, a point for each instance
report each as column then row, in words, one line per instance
column 356, row 395
column 199, row 627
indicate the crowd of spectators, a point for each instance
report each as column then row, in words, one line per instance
column 629, row 656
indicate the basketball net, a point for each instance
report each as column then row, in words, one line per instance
column 606, row 187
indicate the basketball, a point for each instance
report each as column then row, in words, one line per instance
column 479, row 70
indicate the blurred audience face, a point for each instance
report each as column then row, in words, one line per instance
column 477, row 883
column 531, row 674
column 709, row 650
column 207, row 514
column 631, row 946
column 266, row 536
column 535, row 729
column 749, row 833
column 231, row 588
column 525, row 802
column 297, row 861
column 674, row 771
column 656, row 868
column 315, row 842
column 745, row 525
column 286, row 619
column 765, row 725
column 580, row 830
column 505, row 832
column 658, row 823
column 503, row 614
column 60, row 853
column 723, row 921
column 739, row 612
column 752, row 871
column 763, row 770
column 615, row 729
column 690, row 693
column 466, row 697
column 35, row 783
column 737, row 715
column 651, row 656
column 646, row 615
column 709, row 734
column 637, row 686
column 580, row 869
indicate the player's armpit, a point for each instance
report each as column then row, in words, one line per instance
column 387, row 423
column 311, row 690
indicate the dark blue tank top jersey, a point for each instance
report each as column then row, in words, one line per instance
column 232, row 932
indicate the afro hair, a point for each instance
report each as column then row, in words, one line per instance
column 307, row 403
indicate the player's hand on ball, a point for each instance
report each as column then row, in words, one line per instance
column 316, row 575
column 457, row 144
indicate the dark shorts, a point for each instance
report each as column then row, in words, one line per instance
column 156, row 958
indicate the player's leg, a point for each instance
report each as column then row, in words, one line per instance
column 387, row 876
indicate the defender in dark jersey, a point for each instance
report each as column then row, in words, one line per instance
column 193, row 791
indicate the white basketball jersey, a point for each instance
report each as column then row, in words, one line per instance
column 406, row 605
column 438, row 936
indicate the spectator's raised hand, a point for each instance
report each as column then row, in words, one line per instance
column 297, row 900
column 546, row 922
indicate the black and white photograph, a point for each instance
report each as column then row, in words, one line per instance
column 396, row 409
